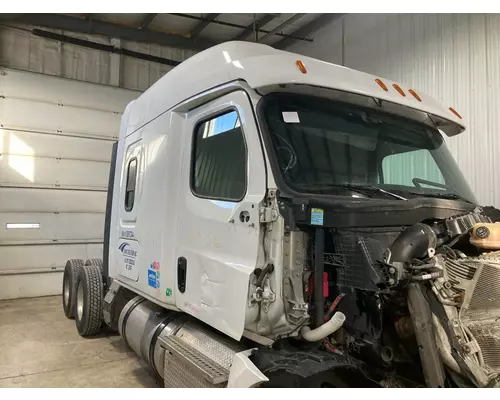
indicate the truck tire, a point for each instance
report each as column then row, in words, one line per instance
column 69, row 286
column 89, row 301
column 94, row 261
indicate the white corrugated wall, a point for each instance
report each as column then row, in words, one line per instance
column 453, row 57
column 55, row 147
column 22, row 50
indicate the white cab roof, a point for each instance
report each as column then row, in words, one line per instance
column 263, row 66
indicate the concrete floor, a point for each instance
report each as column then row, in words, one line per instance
column 40, row 347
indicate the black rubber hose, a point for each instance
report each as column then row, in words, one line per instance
column 413, row 243
column 421, row 315
column 319, row 268
column 268, row 269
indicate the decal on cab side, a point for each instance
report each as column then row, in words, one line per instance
column 154, row 275
column 128, row 267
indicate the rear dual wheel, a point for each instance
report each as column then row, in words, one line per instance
column 89, row 300
column 94, row 261
column 69, row 286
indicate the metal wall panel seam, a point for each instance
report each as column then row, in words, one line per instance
column 61, row 134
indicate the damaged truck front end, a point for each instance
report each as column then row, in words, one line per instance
column 396, row 263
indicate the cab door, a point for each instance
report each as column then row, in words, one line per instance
column 223, row 182
column 129, row 240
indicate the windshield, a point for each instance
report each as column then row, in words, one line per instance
column 326, row 147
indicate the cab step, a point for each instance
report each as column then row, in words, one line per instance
column 182, row 361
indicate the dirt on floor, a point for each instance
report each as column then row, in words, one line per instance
column 40, row 347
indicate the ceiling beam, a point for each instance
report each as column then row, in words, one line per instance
column 308, row 29
column 202, row 25
column 281, row 26
column 147, row 20
column 259, row 24
column 66, row 23
column 103, row 47
column 223, row 23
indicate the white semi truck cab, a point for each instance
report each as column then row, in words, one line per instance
column 275, row 220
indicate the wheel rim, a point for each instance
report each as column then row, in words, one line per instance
column 79, row 302
column 66, row 290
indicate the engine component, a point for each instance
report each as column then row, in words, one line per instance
column 492, row 213
column 422, row 319
column 387, row 354
column 443, row 344
column 486, row 236
column 422, row 256
column 324, row 330
column 404, row 327
column 414, row 242
column 467, row 332
column 359, row 258
column 427, row 277
column 477, row 283
column 480, row 312
column 464, row 223
column 492, row 256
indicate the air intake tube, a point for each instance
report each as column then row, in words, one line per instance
column 325, row 330
column 414, row 242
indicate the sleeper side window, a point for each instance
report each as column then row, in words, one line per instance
column 219, row 158
column 130, row 184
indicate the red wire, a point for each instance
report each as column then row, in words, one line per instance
column 334, row 305
column 330, row 348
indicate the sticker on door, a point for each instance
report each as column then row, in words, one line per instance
column 154, row 275
column 128, row 267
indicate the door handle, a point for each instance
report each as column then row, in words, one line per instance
column 181, row 274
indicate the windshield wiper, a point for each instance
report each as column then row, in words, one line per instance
column 372, row 188
column 353, row 187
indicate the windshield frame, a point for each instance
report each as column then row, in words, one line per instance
column 289, row 191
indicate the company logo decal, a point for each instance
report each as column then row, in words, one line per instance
column 129, row 255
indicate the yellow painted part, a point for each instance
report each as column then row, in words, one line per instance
column 486, row 236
